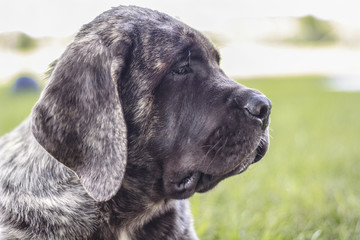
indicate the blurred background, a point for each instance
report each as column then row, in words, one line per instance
column 304, row 55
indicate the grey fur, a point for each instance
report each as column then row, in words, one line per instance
column 136, row 117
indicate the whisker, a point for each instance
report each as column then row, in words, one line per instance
column 211, row 148
column 221, row 147
column 208, row 152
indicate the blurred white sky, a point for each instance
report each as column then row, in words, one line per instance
column 65, row 17
column 234, row 20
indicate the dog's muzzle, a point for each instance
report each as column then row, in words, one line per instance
column 240, row 140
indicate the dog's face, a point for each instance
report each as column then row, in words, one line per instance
column 205, row 132
column 201, row 126
column 156, row 98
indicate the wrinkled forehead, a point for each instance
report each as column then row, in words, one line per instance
column 162, row 31
column 199, row 46
column 174, row 40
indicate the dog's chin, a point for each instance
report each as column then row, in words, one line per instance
column 198, row 181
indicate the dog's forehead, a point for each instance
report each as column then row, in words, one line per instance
column 177, row 39
column 154, row 29
column 162, row 28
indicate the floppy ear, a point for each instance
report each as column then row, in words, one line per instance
column 79, row 118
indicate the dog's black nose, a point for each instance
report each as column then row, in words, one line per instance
column 258, row 106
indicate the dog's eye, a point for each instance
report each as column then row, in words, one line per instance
column 182, row 70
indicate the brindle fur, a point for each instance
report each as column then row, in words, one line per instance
column 136, row 117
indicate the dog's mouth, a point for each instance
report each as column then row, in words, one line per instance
column 201, row 182
column 198, row 181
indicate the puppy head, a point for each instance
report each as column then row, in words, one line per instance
column 135, row 80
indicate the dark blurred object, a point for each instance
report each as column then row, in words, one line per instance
column 25, row 84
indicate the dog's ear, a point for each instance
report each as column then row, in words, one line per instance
column 79, row 118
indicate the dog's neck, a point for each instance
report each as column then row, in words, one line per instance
column 138, row 198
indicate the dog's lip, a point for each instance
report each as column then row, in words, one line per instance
column 261, row 151
column 207, row 181
column 200, row 181
column 188, row 183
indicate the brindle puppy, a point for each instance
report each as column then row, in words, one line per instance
column 136, row 117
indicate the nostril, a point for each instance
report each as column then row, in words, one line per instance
column 263, row 113
column 258, row 106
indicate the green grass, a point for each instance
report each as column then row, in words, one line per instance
column 307, row 186
column 14, row 107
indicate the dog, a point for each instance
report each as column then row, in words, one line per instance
column 136, row 117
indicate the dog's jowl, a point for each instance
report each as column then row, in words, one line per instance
column 136, row 117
